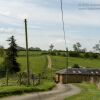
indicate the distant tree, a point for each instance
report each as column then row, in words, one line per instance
column 94, row 55
column 83, row 50
column 74, row 54
column 97, row 47
column 51, row 47
column 20, row 48
column 87, row 55
column 10, row 61
column 91, row 55
column 77, row 47
column 35, row 49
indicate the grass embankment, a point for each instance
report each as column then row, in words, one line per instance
column 60, row 62
column 89, row 92
column 17, row 90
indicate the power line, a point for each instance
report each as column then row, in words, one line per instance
column 64, row 32
column 63, row 23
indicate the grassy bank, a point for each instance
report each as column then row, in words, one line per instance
column 17, row 90
column 89, row 92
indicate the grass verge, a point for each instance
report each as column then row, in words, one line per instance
column 89, row 92
column 18, row 90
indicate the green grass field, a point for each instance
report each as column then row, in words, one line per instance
column 60, row 62
column 89, row 92
column 37, row 63
column 31, row 53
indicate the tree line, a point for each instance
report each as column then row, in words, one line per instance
column 78, row 51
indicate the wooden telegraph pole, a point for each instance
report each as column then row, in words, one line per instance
column 27, row 56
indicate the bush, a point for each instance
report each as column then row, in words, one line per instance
column 74, row 54
column 91, row 55
column 87, row 55
column 75, row 66
column 95, row 56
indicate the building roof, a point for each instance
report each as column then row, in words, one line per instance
column 79, row 71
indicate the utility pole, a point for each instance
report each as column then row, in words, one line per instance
column 67, row 63
column 27, row 56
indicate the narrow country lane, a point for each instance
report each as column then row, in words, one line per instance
column 59, row 93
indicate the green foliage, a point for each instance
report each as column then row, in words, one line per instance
column 75, row 66
column 74, row 54
column 10, row 59
column 87, row 55
column 77, row 47
column 94, row 55
column 91, row 55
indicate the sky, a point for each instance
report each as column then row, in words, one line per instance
column 81, row 17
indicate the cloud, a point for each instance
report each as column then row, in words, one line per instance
column 4, row 31
column 44, row 22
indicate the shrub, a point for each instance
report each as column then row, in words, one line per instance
column 87, row 55
column 74, row 54
column 75, row 66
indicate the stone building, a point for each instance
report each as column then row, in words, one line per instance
column 77, row 75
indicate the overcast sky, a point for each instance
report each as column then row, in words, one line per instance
column 44, row 22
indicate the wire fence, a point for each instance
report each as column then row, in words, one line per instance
column 19, row 79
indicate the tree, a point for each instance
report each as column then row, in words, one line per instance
column 97, row 47
column 35, row 49
column 77, row 47
column 83, row 50
column 10, row 62
column 51, row 47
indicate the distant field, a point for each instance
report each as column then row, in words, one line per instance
column 31, row 53
column 89, row 92
column 60, row 62
column 37, row 63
